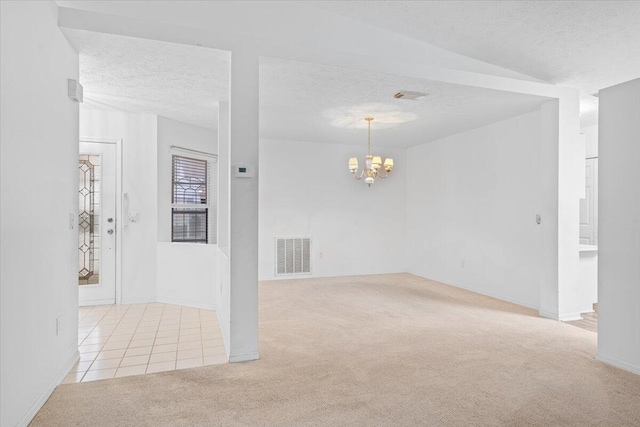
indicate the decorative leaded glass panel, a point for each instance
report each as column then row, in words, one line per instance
column 89, row 220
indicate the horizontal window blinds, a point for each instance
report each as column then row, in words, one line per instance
column 189, row 181
column 190, row 200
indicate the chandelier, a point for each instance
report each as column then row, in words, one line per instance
column 372, row 164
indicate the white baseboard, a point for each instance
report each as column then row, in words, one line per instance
column 273, row 278
column 90, row 303
column 37, row 405
column 141, row 300
column 566, row 317
column 569, row 317
column 548, row 315
column 244, row 357
column 481, row 292
column 178, row 301
column 618, row 363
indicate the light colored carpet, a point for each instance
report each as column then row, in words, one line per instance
column 376, row 350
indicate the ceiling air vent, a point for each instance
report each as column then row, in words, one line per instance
column 293, row 255
column 407, row 94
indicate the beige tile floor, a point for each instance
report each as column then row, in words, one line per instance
column 121, row 340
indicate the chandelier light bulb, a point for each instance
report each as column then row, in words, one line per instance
column 377, row 162
column 353, row 164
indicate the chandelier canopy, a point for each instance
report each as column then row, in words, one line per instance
column 372, row 164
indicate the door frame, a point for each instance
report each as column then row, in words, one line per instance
column 119, row 208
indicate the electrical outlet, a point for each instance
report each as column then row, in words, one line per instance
column 321, row 255
column 58, row 325
column 72, row 221
column 462, row 264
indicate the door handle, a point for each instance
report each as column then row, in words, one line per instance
column 110, row 231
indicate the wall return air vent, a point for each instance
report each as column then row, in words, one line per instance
column 293, row 255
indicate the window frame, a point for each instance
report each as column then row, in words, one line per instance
column 210, row 207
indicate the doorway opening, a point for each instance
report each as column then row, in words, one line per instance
column 588, row 263
column 148, row 258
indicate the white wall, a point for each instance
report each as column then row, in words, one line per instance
column 306, row 189
column 260, row 23
column 619, row 227
column 39, row 161
column 172, row 132
column 139, row 180
column 588, row 278
column 187, row 274
column 591, row 140
column 472, row 199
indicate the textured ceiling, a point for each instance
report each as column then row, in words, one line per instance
column 177, row 81
column 588, row 45
column 310, row 102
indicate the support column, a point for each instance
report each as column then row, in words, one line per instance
column 243, row 256
column 561, row 164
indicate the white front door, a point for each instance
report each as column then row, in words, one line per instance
column 97, row 223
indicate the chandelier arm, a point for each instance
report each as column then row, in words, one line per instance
column 384, row 176
column 355, row 175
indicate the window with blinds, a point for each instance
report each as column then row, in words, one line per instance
column 190, row 199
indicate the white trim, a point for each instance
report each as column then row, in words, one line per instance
column 39, row 403
column 244, row 357
column 548, row 315
column 191, row 243
column 139, row 300
column 193, row 153
column 120, row 218
column 325, row 275
column 187, row 303
column 566, row 317
column 569, row 317
column 212, row 205
column 88, row 303
column 488, row 294
column 617, row 363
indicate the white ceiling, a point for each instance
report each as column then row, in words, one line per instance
column 310, row 102
column 299, row 101
column 588, row 45
column 178, row 81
